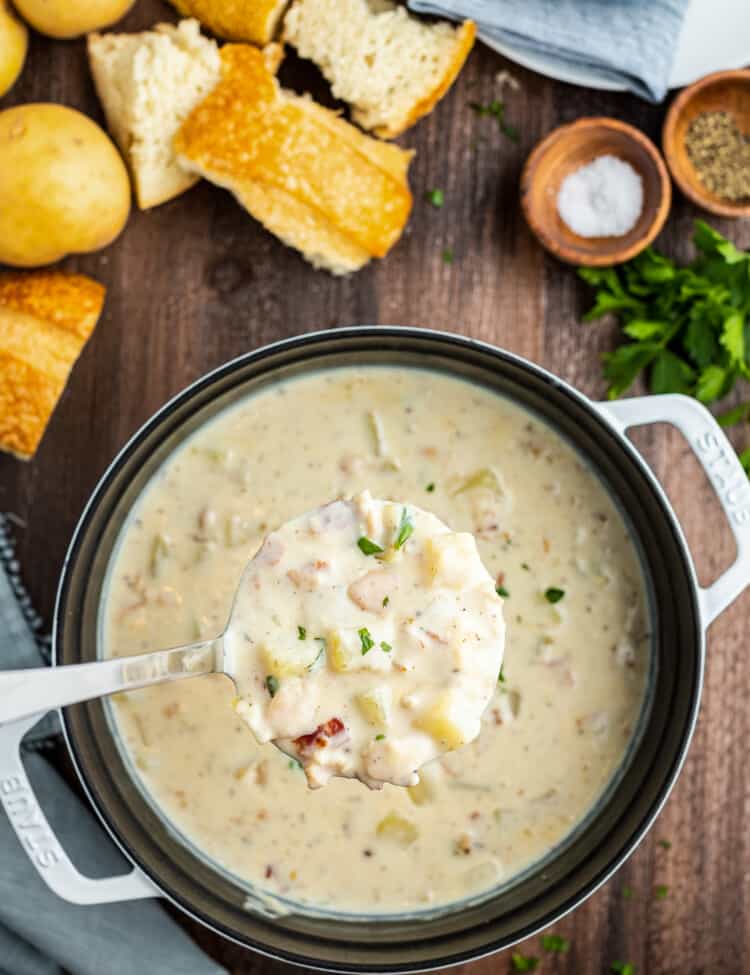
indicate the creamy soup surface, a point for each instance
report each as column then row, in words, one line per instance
column 576, row 657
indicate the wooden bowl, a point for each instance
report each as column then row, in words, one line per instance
column 727, row 91
column 568, row 148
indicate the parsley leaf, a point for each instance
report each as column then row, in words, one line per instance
column 385, row 647
column 496, row 109
column 711, row 383
column 501, row 675
column 671, row 374
column 435, row 197
column 523, row 963
column 368, row 547
column 272, row 685
column 556, row 943
column 379, row 737
column 627, row 893
column 502, row 591
column 554, row 595
column 405, row 529
column 430, row 487
column 622, row 968
column 736, row 415
column 366, row 640
column 301, row 633
column 447, row 255
column 661, row 891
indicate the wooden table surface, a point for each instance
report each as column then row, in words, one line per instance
column 196, row 282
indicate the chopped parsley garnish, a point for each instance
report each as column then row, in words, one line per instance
column 293, row 763
column 435, row 197
column 502, row 591
column 496, row 110
column 301, row 633
column 523, row 963
column 447, row 255
column 526, row 567
column 405, row 530
column 501, row 675
column 553, row 595
column 385, row 647
column 556, row 943
column 368, row 547
column 627, row 893
column 665, row 844
column 386, row 600
column 272, row 685
column 430, row 487
column 366, row 640
column 661, row 891
column 622, row 968
column 379, row 737
column 322, row 642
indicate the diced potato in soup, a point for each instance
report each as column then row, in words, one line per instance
column 320, row 644
column 558, row 725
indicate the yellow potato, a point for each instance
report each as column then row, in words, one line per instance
column 71, row 18
column 63, row 186
column 14, row 40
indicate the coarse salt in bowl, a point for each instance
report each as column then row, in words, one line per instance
column 602, row 199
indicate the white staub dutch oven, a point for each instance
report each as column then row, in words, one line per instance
column 164, row 866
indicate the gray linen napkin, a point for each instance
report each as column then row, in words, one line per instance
column 40, row 934
column 631, row 42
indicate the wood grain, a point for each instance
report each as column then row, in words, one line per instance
column 196, row 281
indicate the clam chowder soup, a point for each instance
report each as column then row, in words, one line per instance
column 365, row 639
column 563, row 710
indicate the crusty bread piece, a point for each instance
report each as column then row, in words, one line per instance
column 45, row 319
column 311, row 178
column 236, row 20
column 148, row 83
column 391, row 67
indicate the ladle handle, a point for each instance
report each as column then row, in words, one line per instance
column 39, row 689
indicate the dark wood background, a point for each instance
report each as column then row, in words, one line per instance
column 196, row 282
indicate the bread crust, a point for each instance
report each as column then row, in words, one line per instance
column 255, row 21
column 311, row 178
column 46, row 317
column 466, row 35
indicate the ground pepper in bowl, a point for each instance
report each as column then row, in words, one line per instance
column 720, row 153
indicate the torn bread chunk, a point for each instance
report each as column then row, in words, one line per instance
column 46, row 318
column 348, row 692
column 390, row 66
column 148, row 83
column 309, row 177
column 256, row 21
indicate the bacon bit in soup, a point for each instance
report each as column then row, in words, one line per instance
column 320, row 737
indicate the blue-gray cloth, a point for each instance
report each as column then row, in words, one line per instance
column 631, row 42
column 40, row 934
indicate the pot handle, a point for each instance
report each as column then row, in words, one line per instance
column 42, row 846
column 723, row 469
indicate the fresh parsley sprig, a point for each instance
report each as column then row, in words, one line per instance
column 687, row 328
